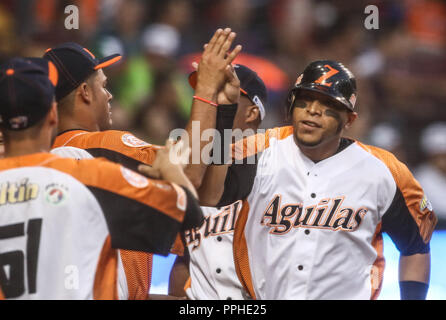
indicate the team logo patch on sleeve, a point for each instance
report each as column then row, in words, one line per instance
column 132, row 141
column 425, row 204
column 135, row 179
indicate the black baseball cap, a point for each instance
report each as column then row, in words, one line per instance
column 75, row 64
column 250, row 85
column 27, row 90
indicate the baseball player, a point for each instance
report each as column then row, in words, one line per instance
column 316, row 203
column 85, row 120
column 207, row 268
column 62, row 219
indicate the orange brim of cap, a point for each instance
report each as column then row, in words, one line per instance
column 108, row 62
column 53, row 75
column 193, row 82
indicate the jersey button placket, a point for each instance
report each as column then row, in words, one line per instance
column 305, row 257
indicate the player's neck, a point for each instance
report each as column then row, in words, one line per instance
column 67, row 123
column 320, row 152
column 21, row 147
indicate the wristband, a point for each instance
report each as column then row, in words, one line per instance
column 413, row 290
column 207, row 101
column 225, row 120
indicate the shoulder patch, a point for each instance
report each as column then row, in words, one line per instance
column 56, row 194
column 135, row 179
column 132, row 141
column 425, row 204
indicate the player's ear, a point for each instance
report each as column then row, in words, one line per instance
column 252, row 113
column 351, row 117
column 85, row 92
column 53, row 117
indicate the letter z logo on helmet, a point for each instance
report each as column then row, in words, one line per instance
column 329, row 78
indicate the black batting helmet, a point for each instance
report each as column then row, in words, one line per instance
column 329, row 78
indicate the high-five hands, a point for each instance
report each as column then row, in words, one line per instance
column 214, row 72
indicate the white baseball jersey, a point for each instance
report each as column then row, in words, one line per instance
column 314, row 230
column 211, row 267
column 61, row 221
column 77, row 153
column 124, row 148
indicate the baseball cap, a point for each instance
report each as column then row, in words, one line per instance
column 75, row 64
column 27, row 87
column 250, row 85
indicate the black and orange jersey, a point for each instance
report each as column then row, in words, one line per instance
column 61, row 221
column 124, row 148
column 118, row 146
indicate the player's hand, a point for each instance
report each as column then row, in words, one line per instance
column 212, row 69
column 169, row 160
column 169, row 164
column 230, row 92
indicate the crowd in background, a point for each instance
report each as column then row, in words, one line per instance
column 400, row 67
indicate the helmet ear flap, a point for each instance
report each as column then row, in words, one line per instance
column 289, row 103
column 292, row 95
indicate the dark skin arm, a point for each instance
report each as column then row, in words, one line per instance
column 212, row 73
column 415, row 268
column 211, row 187
column 179, row 276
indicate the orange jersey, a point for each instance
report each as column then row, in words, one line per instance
column 61, row 221
column 118, row 146
column 124, row 148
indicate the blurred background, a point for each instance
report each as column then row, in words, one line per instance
column 400, row 67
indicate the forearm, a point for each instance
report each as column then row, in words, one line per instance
column 212, row 187
column 177, row 176
column 414, row 274
column 203, row 117
column 415, row 268
column 179, row 276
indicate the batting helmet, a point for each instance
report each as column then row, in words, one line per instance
column 329, row 78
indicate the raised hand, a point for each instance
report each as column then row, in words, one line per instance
column 212, row 71
column 230, row 92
